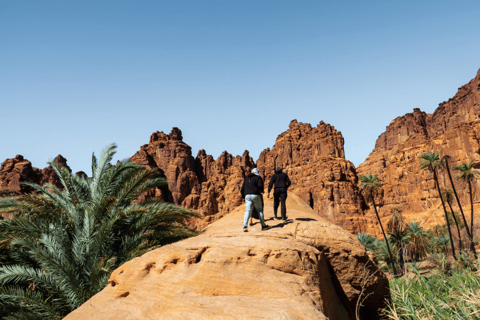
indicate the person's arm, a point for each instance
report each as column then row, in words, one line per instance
column 270, row 185
column 242, row 190
column 260, row 184
column 289, row 183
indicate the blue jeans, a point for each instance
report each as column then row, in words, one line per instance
column 250, row 201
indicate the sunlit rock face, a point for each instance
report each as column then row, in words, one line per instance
column 314, row 159
column 452, row 129
column 306, row 268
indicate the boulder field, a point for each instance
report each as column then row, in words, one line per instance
column 305, row 268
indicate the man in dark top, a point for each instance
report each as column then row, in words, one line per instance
column 252, row 190
column 281, row 182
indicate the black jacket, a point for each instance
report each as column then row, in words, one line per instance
column 280, row 180
column 252, row 184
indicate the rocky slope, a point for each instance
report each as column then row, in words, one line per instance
column 305, row 269
column 453, row 129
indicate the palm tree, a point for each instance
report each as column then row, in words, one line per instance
column 447, row 195
column 368, row 186
column 67, row 242
column 439, row 243
column 419, row 244
column 467, row 174
column 368, row 241
column 400, row 239
column 431, row 162
column 396, row 221
column 445, row 159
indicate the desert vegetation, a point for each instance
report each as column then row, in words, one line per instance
column 62, row 244
column 434, row 282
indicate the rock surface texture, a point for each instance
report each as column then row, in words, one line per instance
column 305, row 269
column 212, row 187
column 314, row 159
column 453, row 129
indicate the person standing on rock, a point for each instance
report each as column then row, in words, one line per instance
column 281, row 182
column 252, row 189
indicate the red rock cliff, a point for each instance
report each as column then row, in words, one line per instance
column 314, row 159
column 453, row 129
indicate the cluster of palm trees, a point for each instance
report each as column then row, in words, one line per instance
column 409, row 242
column 412, row 237
column 62, row 245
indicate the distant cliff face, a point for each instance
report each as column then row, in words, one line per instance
column 314, row 159
column 453, row 129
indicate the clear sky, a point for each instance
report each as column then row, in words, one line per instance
column 76, row 76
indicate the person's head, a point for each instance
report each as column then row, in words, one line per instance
column 255, row 171
column 278, row 170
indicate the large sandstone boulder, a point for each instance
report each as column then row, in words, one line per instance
column 306, row 268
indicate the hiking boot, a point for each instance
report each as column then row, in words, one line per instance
column 265, row 228
column 275, row 218
column 245, row 229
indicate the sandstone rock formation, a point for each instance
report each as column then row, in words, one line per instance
column 17, row 170
column 212, row 187
column 453, row 129
column 49, row 176
column 314, row 159
column 305, row 269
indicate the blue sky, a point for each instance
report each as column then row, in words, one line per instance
column 76, row 76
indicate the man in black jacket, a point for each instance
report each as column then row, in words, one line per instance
column 281, row 182
column 252, row 190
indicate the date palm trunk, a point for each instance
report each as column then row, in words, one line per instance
column 471, row 214
column 385, row 237
column 456, row 223
column 469, row 233
column 445, row 211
